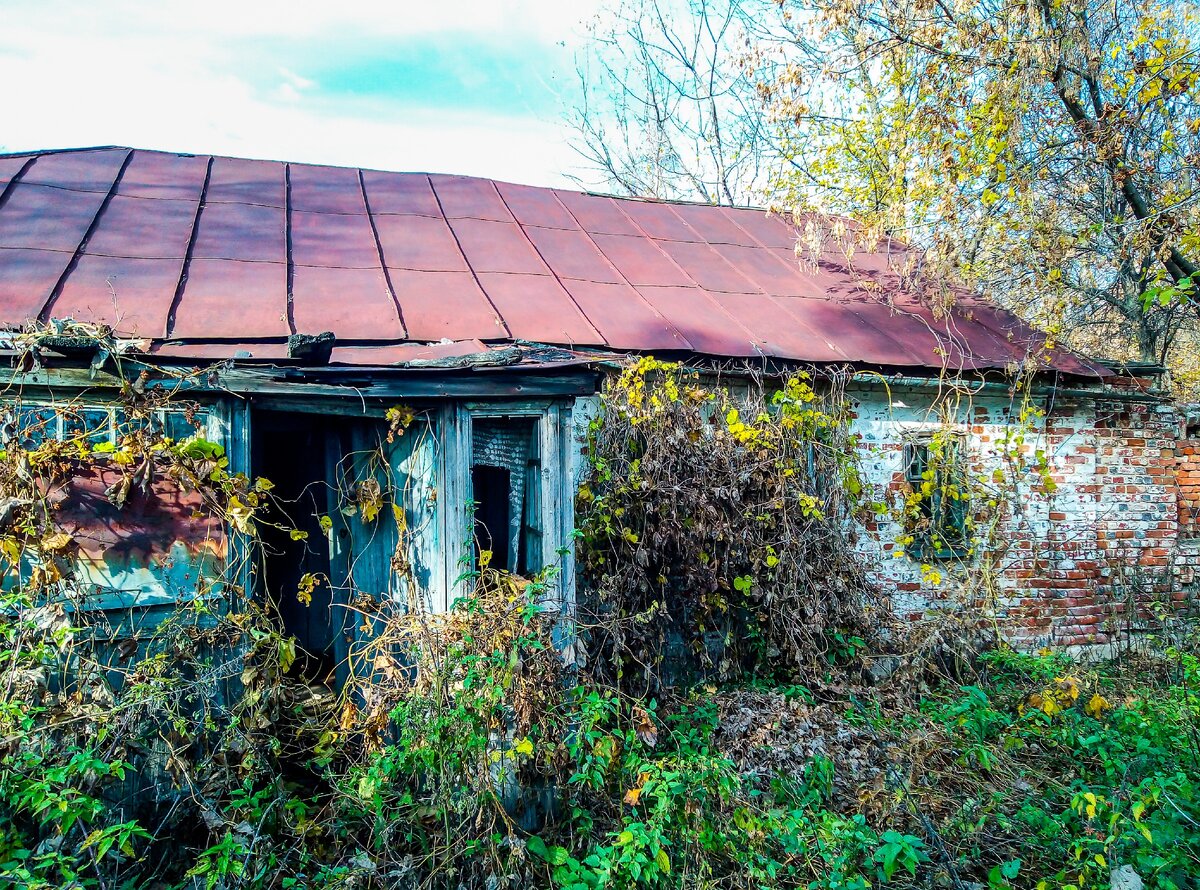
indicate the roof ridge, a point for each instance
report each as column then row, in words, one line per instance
column 32, row 153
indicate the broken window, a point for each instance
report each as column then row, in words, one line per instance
column 506, row 491
column 938, row 506
column 96, row 424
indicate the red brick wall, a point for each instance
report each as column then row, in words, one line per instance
column 1084, row 565
column 1187, row 456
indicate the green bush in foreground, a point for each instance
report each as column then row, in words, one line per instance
column 1037, row 775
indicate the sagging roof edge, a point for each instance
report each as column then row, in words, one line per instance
column 557, row 373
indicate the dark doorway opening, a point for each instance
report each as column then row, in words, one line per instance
column 492, row 487
column 291, row 450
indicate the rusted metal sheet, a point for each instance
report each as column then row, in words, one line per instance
column 134, row 294
column 161, row 543
column 235, row 255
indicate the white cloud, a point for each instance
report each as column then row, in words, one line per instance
column 165, row 75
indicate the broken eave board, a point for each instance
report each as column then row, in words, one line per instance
column 328, row 382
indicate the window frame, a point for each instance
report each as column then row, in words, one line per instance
column 557, row 497
column 947, row 537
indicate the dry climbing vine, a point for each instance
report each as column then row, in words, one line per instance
column 715, row 526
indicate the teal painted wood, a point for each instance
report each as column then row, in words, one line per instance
column 392, row 561
column 116, row 569
column 418, row 569
column 454, row 469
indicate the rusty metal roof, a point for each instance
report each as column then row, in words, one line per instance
column 214, row 256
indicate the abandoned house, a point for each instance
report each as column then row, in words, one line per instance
column 318, row 298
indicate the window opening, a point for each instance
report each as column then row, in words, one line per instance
column 933, row 469
column 506, row 490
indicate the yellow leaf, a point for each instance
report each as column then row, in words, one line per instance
column 370, row 499
column 1096, row 705
column 524, row 746
column 663, row 861
column 632, row 796
column 304, row 589
column 1068, row 688
column 240, row 516
column 59, row 541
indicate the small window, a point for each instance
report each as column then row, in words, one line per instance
column 92, row 425
column 88, row 425
column 934, row 471
column 506, row 490
column 35, row 425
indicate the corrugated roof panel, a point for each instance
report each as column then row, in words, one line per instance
column 88, row 171
column 250, row 232
column 835, row 323
column 497, row 247
column 699, row 275
column 701, row 320
column 641, row 261
column 1020, row 339
column 707, row 267
column 154, row 174
column 764, row 317
column 247, row 182
column 536, row 308
column 420, row 243
column 353, row 303
column 449, row 305
column 42, row 217
column 466, row 197
column 658, row 221
column 338, row 240
column 28, row 278
column 571, row 254
column 906, row 332
column 10, row 167
column 624, row 318
column 769, row 231
column 138, row 227
column 400, row 193
column 978, row 345
column 217, row 351
column 597, row 214
column 405, row 352
column 713, row 227
column 132, row 295
column 532, row 206
column 767, row 271
column 325, row 189
column 214, row 304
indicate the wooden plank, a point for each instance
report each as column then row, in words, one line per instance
column 338, row 540
column 455, row 491
column 565, row 482
column 414, row 461
column 334, row 382
column 229, row 425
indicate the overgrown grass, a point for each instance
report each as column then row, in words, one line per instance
column 1037, row 774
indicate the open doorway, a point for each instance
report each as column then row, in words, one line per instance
column 291, row 450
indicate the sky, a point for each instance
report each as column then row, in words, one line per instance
column 446, row 86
